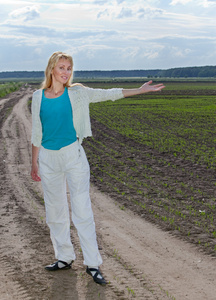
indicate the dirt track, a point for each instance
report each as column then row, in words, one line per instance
column 140, row 260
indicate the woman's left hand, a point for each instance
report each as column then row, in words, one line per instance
column 147, row 87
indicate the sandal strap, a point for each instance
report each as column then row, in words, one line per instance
column 97, row 272
column 92, row 269
column 64, row 263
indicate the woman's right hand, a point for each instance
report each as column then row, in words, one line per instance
column 34, row 173
column 34, row 169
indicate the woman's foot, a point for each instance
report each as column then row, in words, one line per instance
column 59, row 265
column 96, row 274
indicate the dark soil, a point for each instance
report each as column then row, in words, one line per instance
column 167, row 177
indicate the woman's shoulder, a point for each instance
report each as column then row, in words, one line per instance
column 76, row 87
column 37, row 92
column 37, row 96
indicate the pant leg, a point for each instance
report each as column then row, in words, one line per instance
column 55, row 198
column 78, row 178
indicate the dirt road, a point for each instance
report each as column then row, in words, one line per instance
column 140, row 260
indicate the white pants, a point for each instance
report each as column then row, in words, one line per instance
column 56, row 167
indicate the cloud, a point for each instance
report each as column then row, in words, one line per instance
column 208, row 3
column 100, row 2
column 107, row 2
column 179, row 52
column 134, row 11
column 149, row 12
column 204, row 3
column 125, row 13
column 36, row 35
column 104, row 13
column 174, row 2
column 25, row 31
column 26, row 13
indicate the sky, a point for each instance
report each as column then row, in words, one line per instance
column 108, row 35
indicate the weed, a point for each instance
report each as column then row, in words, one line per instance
column 131, row 291
column 8, row 88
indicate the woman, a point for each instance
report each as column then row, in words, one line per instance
column 60, row 121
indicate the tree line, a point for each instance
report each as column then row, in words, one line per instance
column 206, row 71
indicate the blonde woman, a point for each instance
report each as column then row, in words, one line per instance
column 60, row 121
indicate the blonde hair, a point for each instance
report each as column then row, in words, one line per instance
column 52, row 62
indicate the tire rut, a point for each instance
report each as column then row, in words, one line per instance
column 17, row 291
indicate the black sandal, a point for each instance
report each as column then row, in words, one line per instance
column 96, row 279
column 55, row 266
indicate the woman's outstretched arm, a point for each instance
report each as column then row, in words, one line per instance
column 145, row 88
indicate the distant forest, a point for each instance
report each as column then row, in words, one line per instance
column 206, row 71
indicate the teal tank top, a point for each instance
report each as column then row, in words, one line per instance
column 57, row 122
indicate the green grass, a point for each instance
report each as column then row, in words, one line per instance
column 7, row 88
column 183, row 127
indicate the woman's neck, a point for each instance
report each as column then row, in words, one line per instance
column 56, row 90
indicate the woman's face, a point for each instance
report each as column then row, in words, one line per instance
column 62, row 71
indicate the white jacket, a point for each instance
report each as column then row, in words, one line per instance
column 80, row 97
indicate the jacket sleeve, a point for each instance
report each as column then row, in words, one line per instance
column 98, row 95
column 36, row 122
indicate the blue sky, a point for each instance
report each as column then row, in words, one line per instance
column 108, row 35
